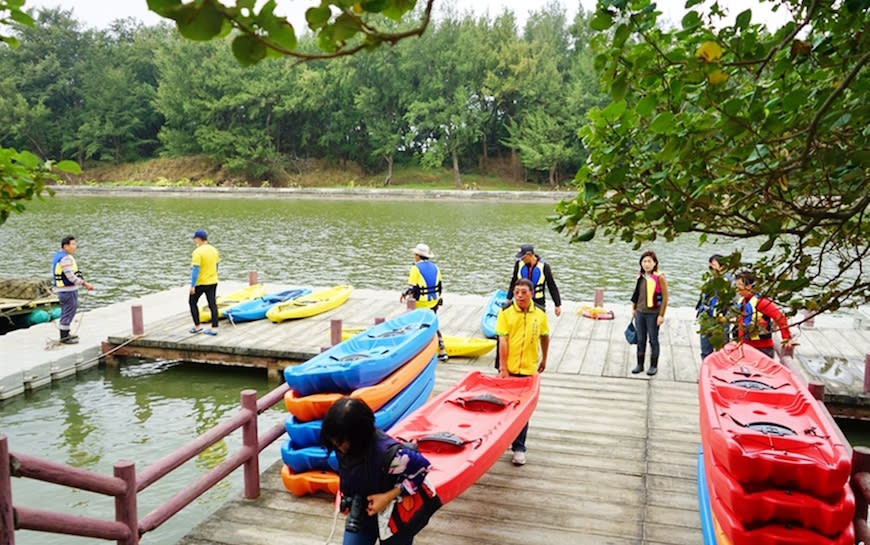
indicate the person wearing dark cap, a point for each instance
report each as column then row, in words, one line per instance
column 424, row 286
column 530, row 266
column 204, row 280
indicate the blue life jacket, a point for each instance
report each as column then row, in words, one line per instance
column 369, row 476
column 429, row 272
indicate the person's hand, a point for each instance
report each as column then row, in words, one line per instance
column 89, row 286
column 503, row 372
column 542, row 366
column 379, row 502
column 402, row 298
column 558, row 311
column 192, row 290
column 660, row 320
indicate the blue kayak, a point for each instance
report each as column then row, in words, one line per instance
column 312, row 458
column 487, row 323
column 255, row 309
column 707, row 530
column 307, row 434
column 364, row 359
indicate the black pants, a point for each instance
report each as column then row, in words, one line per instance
column 210, row 291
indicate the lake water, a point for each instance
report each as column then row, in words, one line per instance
column 129, row 247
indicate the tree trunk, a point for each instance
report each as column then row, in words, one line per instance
column 516, row 168
column 484, row 160
column 552, row 177
column 456, row 179
column 389, row 177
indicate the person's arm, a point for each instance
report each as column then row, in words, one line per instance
column 510, row 290
column 769, row 309
column 502, row 356
column 545, row 349
column 410, row 468
column 553, row 289
column 194, row 275
column 410, row 290
column 664, row 285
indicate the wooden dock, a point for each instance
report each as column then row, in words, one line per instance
column 611, row 461
column 832, row 351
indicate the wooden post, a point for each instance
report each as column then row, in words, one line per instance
column 412, row 303
column 252, row 278
column 860, row 465
column 334, row 331
column 7, row 514
column 866, row 373
column 599, row 297
column 138, row 323
column 125, row 505
column 817, row 390
column 379, row 320
column 250, row 442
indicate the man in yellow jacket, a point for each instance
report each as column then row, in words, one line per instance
column 521, row 328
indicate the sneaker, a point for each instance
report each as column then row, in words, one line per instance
column 443, row 356
column 519, row 458
column 194, row 330
column 210, row 332
column 69, row 340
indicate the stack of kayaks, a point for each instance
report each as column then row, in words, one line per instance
column 310, row 305
column 390, row 366
column 256, row 309
column 456, row 347
column 774, row 466
column 224, row 302
column 487, row 323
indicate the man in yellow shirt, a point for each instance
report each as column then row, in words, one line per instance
column 204, row 280
column 521, row 327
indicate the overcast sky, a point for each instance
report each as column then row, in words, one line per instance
column 99, row 13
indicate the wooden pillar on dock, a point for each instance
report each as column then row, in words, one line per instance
column 379, row 320
column 817, row 390
column 125, row 505
column 252, row 278
column 860, row 482
column 138, row 322
column 866, row 373
column 599, row 298
column 7, row 515
column 334, row 331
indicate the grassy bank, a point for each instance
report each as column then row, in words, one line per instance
column 199, row 171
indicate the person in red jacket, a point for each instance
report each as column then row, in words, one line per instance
column 757, row 316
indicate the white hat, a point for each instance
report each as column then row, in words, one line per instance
column 423, row 250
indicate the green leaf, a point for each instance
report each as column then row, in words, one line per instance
column 68, row 166
column 317, row 17
column 10, row 41
column 663, row 123
column 281, row 32
column 768, row 244
column 770, row 226
column 619, row 87
column 27, row 159
column 647, row 105
column 248, row 50
column 21, row 17
column 199, row 24
column 345, row 27
column 374, row 6
column 602, row 20
column 795, row 99
column 590, row 190
column 621, row 35
column 613, row 110
column 654, row 211
column 743, row 19
column 585, row 236
column 163, row 7
column 691, row 20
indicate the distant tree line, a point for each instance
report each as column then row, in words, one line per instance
column 469, row 90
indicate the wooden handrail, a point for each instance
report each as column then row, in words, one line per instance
column 126, row 529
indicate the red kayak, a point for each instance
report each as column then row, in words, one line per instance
column 829, row 516
column 465, row 429
column 762, row 425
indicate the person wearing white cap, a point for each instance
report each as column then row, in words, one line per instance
column 424, row 286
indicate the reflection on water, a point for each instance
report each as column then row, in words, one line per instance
column 132, row 246
column 136, row 412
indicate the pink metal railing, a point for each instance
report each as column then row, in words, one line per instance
column 124, row 486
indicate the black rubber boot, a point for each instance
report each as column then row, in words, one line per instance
column 66, row 338
column 639, row 367
column 653, row 365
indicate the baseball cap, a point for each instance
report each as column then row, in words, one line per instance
column 200, row 233
column 525, row 249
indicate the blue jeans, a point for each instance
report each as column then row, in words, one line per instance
column 519, row 444
column 645, row 323
column 706, row 347
column 69, row 303
column 367, row 535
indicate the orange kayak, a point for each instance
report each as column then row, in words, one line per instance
column 314, row 406
column 309, row 482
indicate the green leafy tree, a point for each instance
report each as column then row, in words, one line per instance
column 341, row 27
column 23, row 175
column 734, row 131
column 543, row 141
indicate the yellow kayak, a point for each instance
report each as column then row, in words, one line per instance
column 226, row 301
column 310, row 305
column 456, row 347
